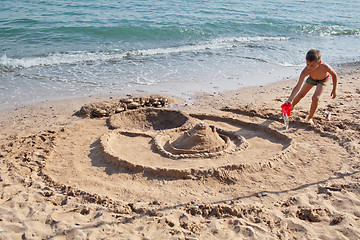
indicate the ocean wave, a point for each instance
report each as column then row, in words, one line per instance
column 9, row 64
column 323, row 30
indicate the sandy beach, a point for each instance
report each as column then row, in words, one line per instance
column 139, row 174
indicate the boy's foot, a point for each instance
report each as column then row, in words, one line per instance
column 310, row 121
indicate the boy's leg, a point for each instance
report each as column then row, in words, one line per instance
column 304, row 90
column 315, row 100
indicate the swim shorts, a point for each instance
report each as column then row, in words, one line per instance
column 315, row 82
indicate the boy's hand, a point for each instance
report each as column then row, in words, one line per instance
column 288, row 101
column 333, row 94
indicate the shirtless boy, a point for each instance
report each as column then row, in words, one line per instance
column 319, row 74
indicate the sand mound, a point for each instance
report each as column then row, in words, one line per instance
column 108, row 108
column 199, row 139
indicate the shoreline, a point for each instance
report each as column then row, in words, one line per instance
column 187, row 97
column 58, row 182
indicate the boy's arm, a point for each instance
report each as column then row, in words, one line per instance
column 334, row 79
column 297, row 86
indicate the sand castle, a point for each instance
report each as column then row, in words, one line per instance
column 200, row 141
column 173, row 144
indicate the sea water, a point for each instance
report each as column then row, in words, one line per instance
column 65, row 49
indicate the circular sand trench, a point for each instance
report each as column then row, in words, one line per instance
column 126, row 162
column 170, row 143
column 149, row 119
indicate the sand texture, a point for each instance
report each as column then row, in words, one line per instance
column 221, row 168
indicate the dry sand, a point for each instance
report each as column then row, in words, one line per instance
column 69, row 177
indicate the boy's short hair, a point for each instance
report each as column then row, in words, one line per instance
column 313, row 55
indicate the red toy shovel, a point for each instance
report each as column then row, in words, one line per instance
column 286, row 110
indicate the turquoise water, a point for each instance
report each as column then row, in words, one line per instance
column 63, row 49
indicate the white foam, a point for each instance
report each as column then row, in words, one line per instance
column 55, row 59
column 85, row 56
column 214, row 44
